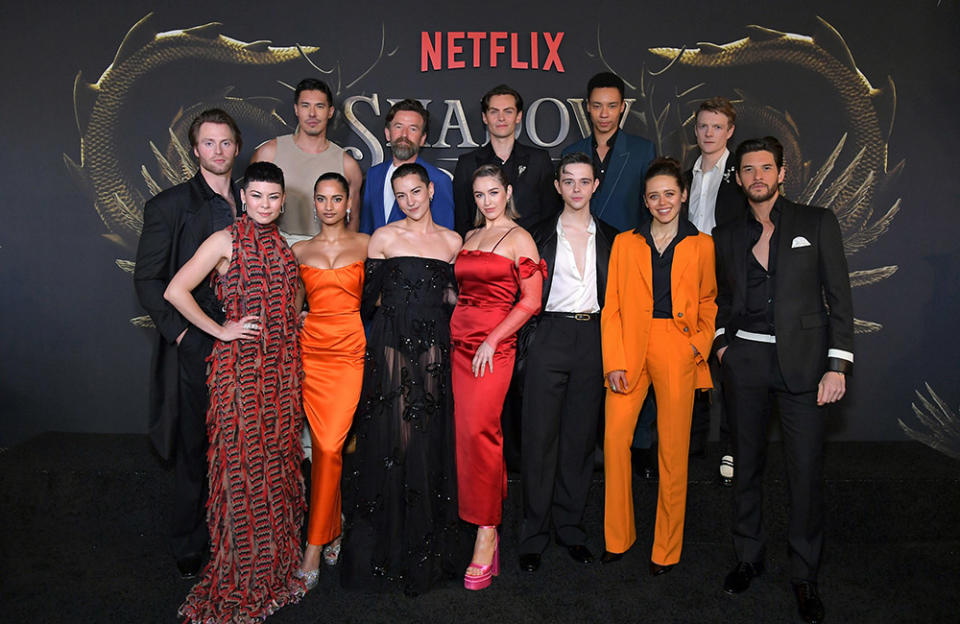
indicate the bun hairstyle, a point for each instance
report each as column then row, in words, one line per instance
column 336, row 177
column 493, row 171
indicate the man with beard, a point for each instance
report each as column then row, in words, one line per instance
column 304, row 156
column 529, row 169
column 406, row 131
column 784, row 332
column 175, row 223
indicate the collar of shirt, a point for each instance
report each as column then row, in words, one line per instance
column 719, row 166
column 610, row 141
column 755, row 228
column 684, row 229
column 388, row 197
column 591, row 228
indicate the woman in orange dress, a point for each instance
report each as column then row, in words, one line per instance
column 332, row 343
column 498, row 262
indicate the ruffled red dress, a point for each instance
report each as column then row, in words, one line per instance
column 488, row 300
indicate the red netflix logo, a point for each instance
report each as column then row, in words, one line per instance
column 480, row 47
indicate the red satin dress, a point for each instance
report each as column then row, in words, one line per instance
column 489, row 284
column 333, row 345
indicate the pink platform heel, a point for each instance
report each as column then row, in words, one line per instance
column 487, row 572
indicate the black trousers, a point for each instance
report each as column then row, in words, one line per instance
column 562, row 399
column 188, row 524
column 708, row 404
column 752, row 381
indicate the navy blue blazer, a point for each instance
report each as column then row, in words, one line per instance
column 371, row 211
column 619, row 201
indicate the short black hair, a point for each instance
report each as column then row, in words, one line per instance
column 262, row 171
column 765, row 144
column 336, row 177
column 410, row 169
column 408, row 105
column 312, row 84
column 214, row 115
column 575, row 158
column 606, row 80
column 500, row 90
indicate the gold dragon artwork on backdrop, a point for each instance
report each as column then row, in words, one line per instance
column 852, row 180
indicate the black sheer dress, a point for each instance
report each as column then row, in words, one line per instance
column 400, row 485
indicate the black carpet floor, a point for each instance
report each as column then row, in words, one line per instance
column 82, row 540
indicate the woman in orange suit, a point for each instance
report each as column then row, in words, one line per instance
column 332, row 343
column 657, row 328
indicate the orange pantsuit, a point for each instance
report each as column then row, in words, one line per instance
column 333, row 344
column 661, row 352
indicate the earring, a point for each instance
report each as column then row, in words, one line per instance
column 283, row 207
column 315, row 217
column 348, row 215
column 244, row 205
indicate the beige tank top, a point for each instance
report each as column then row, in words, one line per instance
column 300, row 172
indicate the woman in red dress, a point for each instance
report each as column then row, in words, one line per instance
column 499, row 260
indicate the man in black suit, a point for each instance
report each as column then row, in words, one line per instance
column 175, row 223
column 529, row 170
column 784, row 332
column 715, row 198
column 563, row 376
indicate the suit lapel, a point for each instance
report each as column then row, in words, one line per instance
column 549, row 253
column 618, row 161
column 644, row 263
column 683, row 254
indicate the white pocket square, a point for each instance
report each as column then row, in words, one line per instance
column 799, row 242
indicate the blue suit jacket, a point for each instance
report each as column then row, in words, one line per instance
column 619, row 201
column 371, row 211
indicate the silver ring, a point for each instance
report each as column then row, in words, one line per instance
column 248, row 326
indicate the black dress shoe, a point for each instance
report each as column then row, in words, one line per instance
column 739, row 579
column 580, row 553
column 658, row 570
column 609, row 557
column 530, row 562
column 189, row 566
column 809, row 605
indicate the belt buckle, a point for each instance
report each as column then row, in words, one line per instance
column 580, row 316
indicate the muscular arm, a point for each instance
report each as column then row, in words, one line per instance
column 351, row 171
column 266, row 151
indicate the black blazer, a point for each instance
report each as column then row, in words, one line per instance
column 533, row 192
column 731, row 202
column 811, row 269
column 545, row 235
column 175, row 223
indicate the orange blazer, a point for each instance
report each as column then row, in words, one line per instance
column 628, row 309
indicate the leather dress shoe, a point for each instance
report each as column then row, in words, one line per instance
column 610, row 557
column 739, row 579
column 189, row 566
column 530, row 562
column 579, row 552
column 659, row 570
column 809, row 605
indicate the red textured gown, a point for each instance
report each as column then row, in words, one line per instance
column 489, row 284
column 254, row 421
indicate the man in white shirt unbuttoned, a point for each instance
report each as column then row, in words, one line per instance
column 563, row 370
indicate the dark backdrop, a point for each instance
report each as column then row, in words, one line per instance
column 73, row 360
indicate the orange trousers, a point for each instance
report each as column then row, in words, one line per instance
column 670, row 367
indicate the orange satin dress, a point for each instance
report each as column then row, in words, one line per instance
column 333, row 344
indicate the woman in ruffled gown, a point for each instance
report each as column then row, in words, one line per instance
column 256, row 504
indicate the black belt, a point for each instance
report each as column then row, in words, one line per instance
column 577, row 316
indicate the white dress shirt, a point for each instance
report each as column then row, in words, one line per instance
column 388, row 196
column 703, row 193
column 570, row 291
